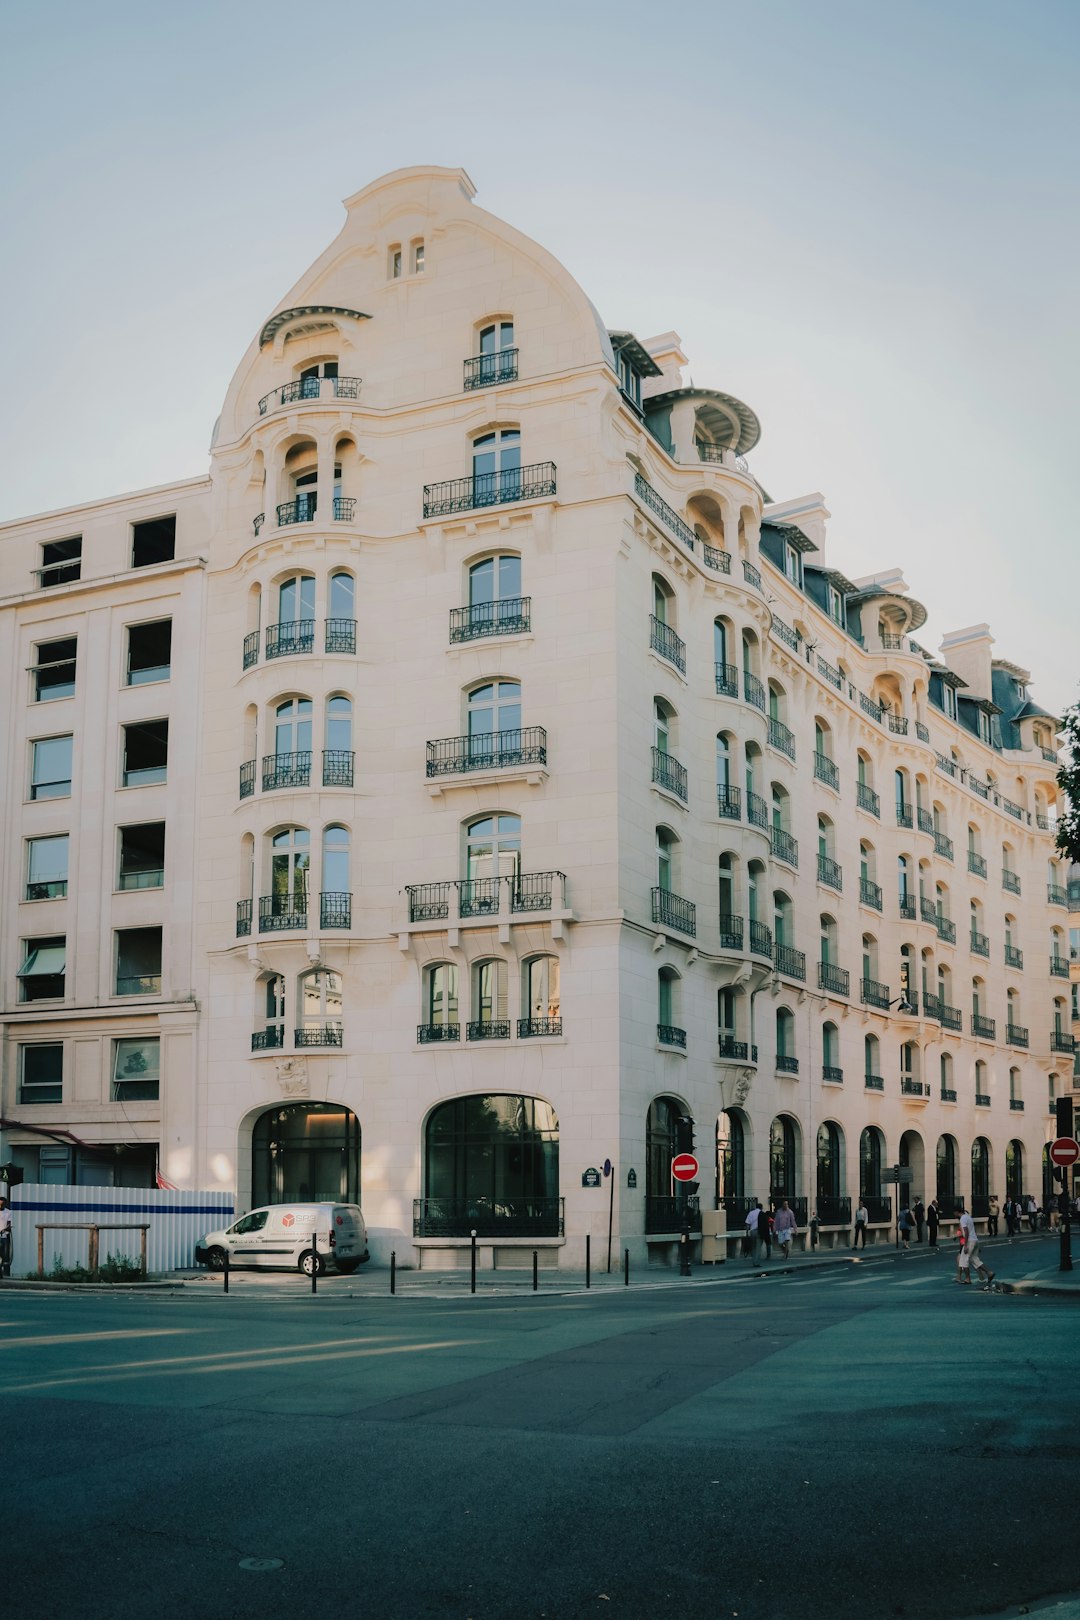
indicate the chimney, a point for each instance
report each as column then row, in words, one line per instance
column 667, row 351
column 967, row 652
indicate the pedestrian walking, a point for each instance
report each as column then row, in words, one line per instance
column 969, row 1253
column 992, row 1217
column 919, row 1213
column 1031, row 1209
column 764, row 1230
column 862, row 1221
column 907, row 1226
column 750, row 1241
column 933, row 1221
column 785, row 1226
column 5, row 1238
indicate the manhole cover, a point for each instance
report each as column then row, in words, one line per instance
column 261, row 1564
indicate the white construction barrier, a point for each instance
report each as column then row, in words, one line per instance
column 177, row 1221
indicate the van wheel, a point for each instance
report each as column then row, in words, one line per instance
column 347, row 1267
column 215, row 1259
column 311, row 1262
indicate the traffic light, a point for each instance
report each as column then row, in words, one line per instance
column 1064, row 1110
column 12, row 1174
column 684, row 1134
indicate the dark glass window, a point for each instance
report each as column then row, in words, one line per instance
column 54, row 671
column 142, row 856
column 41, row 1079
column 305, row 1153
column 149, row 652
column 153, row 541
column 146, row 752
column 492, row 1156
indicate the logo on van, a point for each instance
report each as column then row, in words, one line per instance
column 287, row 1220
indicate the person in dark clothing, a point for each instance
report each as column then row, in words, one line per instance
column 919, row 1212
column 992, row 1217
column 764, row 1231
column 933, row 1220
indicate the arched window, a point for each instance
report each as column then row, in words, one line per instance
column 786, row 1061
column 290, row 868
column 727, row 893
column 727, row 1019
column 948, row 1090
column 874, row 1079
column 306, row 1152
column 292, row 735
column 493, row 710
column 871, row 1160
column 830, row 1053
column 663, row 601
column 910, row 1069
column 827, row 935
column 721, row 644
column 1016, row 1089
column 667, row 1131
column 869, row 963
column 980, row 1175
column 946, row 1173
column 829, row 1173
column 296, row 607
column 491, row 1165
column 497, row 355
column 493, row 847
column 783, row 1159
column 489, row 1002
column 663, row 714
column 912, row 1157
column 320, row 1008
column 667, row 1030
column 336, row 897
column 1014, row 1170
column 822, row 739
column 903, row 806
column 341, row 604
column 540, row 995
column 273, row 997
column 982, row 1086
column 497, row 467
column 731, row 1158
column 338, row 758
column 723, row 763
column 495, row 602
column 783, row 926
column 665, row 848
column 440, row 1011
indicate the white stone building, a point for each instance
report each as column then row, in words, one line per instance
column 477, row 777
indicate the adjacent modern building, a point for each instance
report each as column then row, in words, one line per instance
column 477, row 779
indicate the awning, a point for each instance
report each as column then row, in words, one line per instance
column 46, row 961
column 285, row 316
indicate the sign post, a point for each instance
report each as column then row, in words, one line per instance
column 1064, row 1153
column 684, row 1167
column 609, row 1171
column 897, row 1176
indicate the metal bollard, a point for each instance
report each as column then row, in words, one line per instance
column 588, row 1260
column 225, row 1271
column 626, row 1268
column 534, row 1270
column 314, row 1267
column 472, row 1280
column 684, row 1252
column 393, row 1271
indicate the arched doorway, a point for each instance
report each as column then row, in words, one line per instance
column 871, row 1161
column 1014, row 1169
column 784, row 1162
column 980, row 1176
column 912, row 1155
column 731, row 1136
column 946, row 1175
column 668, row 1130
column 491, row 1165
column 306, row 1153
column 832, row 1208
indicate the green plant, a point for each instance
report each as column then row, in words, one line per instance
column 115, row 1268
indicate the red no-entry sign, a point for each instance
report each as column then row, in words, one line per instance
column 1064, row 1151
column 684, row 1167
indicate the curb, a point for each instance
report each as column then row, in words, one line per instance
column 29, row 1285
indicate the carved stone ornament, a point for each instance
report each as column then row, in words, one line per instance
column 292, row 1076
column 735, row 1087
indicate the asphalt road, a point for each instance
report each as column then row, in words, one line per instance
column 865, row 1442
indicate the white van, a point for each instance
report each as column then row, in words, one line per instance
column 310, row 1236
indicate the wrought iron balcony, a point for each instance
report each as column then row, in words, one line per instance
column 1044, row 823
column 459, row 1217
column 669, row 774
column 980, row 943
column 727, row 680
column 1061, row 1042
column 428, row 902
column 785, row 633
column 751, row 574
column 833, row 1073
column 1049, row 754
column 344, row 508
column 757, row 810
column 728, row 802
column 251, row 649
column 300, row 510
column 490, row 750
column 667, row 514
column 781, row 737
column 536, row 891
column 479, row 897
column 295, row 636
column 306, row 388
column 979, row 787
column 890, row 641
column 671, row 1035
column 829, row 872
column 671, row 911
column 924, row 820
column 1010, row 881
column 1014, row 957
column 243, row 918
column 335, row 910
column 731, row 933
column 922, row 732
column 931, row 1004
column 738, row 1051
column 666, row 1214
column 279, row 913
column 927, row 910
column 1011, row 808
column 432, row 1034
column 1056, row 895
column 510, row 616
column 519, row 893
column 786, row 1064
column 836, row 980
column 529, row 1027
column 904, row 815
column 484, row 370
column 879, row 1209
column 269, row 1039
column 984, row 1028
column 945, row 764
column 948, row 1094
column 943, row 846
column 874, row 1082
column 1016, row 1035
column 760, row 939
column 868, row 706
column 753, row 691
column 976, row 863
column 946, row 929
column 247, row 779
column 337, row 767
column 870, row 894
column 907, row 907
column 898, row 724
column 830, row 673
column 1016, row 1104
column 866, row 799
column 663, row 640
column 982, row 1099
column 488, row 1029
column 834, row 1211
column 784, row 847
column 1059, row 967
column 489, row 489
column 951, row 1017
column 318, row 1035
column 713, row 557
column 825, row 770
column 340, row 636
column 875, row 994
column 286, row 770
column 912, row 1088
column 257, row 523
column 790, row 962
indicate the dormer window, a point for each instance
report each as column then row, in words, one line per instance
column 984, row 726
column 629, row 381
column 394, row 263
column 793, row 564
column 836, row 605
column 948, row 700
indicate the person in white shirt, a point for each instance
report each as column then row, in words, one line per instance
column 862, row 1220
column 5, row 1238
column 969, row 1254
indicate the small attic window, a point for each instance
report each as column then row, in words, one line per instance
column 393, row 265
column 793, row 564
column 418, row 258
column 629, row 380
column 153, row 541
column 836, row 605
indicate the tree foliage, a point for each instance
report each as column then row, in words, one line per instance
column 1068, row 777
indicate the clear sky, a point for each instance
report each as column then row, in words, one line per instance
column 861, row 216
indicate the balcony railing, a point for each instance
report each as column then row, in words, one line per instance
column 785, row 633
column 781, row 737
column 833, row 1073
column 488, row 1029
column 527, row 1028
column 728, row 802
column 927, row 911
column 980, row 943
column 984, row 1028
column 479, row 897
column 522, row 892
column 437, row 1034
column 487, row 751
column 318, row 1035
column 786, row 1064
column 1044, row 823
column 489, row 489
column 671, row 911
column 898, row 724
column 1016, row 1035
column 286, row 770
column 510, row 616
column 878, row 1209
column 784, row 846
column 1016, row 1104
column 484, row 370
column 1061, row 1042
column 943, row 846
column 906, row 906
column 663, row 640
column 667, row 514
column 946, row 929
column 340, row 636
column 666, row 1214
column 727, row 680
column 669, row 774
column 304, row 388
column 251, row 649
column 976, row 863
column 536, row 891
column 945, row 764
column 924, row 820
column 890, row 641
column 279, row 913
column 825, row 770
column 757, row 810
column 335, row 910
column 1059, row 967
column 836, row 980
column 904, row 815
column 982, row 1099
column 760, row 939
column 671, row 1035
column 247, row 779
column 829, row 872
column 875, row 994
column 870, row 894
column 922, row 732
column 731, row 933
column 948, row 1094
column 243, row 918
column 269, row 1039
column 830, row 673
column 874, row 1082
column 790, row 962
column 1056, row 895
column 869, row 707
column 912, row 1088
column 866, row 799
column 509, row 1218
column 951, row 1017
column 300, row 510
column 1010, row 881
column 834, row 1211
column 751, row 574
column 337, row 767
column 713, row 557
column 753, row 691
column 1011, row 808
column 1014, row 957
